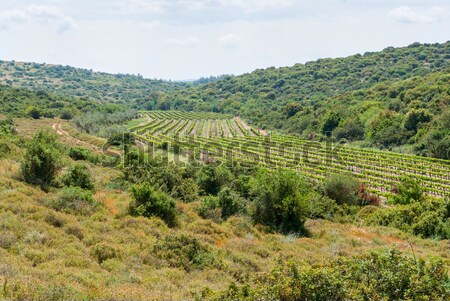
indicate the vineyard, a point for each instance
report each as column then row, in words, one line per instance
column 222, row 137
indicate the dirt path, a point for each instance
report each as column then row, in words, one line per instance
column 60, row 131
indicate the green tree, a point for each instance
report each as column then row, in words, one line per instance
column 42, row 159
column 33, row 112
column 280, row 200
column 292, row 108
column 416, row 117
column 331, row 121
column 211, row 178
column 409, row 190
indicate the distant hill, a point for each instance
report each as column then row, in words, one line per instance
column 318, row 98
column 76, row 82
column 397, row 98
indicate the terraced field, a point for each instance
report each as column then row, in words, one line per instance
column 222, row 137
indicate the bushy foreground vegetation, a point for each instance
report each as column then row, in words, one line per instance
column 164, row 231
column 386, row 275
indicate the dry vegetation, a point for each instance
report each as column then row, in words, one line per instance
column 49, row 255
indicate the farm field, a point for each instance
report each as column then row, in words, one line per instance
column 222, row 137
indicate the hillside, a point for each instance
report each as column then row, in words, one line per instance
column 320, row 97
column 77, row 82
column 61, row 244
column 102, row 201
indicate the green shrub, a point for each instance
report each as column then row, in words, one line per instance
column 42, row 159
column 320, row 206
column 211, row 178
column 280, row 200
column 341, row 188
column 429, row 218
column 67, row 114
column 209, row 208
column 33, row 112
column 183, row 251
column 75, row 200
column 78, row 176
column 384, row 275
column 226, row 204
column 187, row 191
column 409, row 190
column 150, row 202
column 79, row 153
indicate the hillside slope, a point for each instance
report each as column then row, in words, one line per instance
column 77, row 82
column 55, row 254
column 314, row 99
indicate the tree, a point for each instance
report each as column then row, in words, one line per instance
column 416, row 117
column 33, row 112
column 409, row 190
column 352, row 129
column 42, row 159
column 280, row 200
column 292, row 108
column 343, row 189
column 331, row 121
column 211, row 178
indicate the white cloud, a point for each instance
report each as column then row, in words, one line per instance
column 187, row 41
column 406, row 14
column 144, row 6
column 258, row 5
column 38, row 13
column 230, row 40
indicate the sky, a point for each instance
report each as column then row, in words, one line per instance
column 188, row 39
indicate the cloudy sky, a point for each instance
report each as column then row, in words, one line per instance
column 187, row 39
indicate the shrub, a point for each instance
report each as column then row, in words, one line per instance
column 101, row 252
column 75, row 200
column 121, row 138
column 7, row 239
column 54, row 220
column 79, row 153
column 209, row 208
column 226, row 204
column 78, row 176
column 429, row 218
column 384, row 275
column 33, row 112
column 187, row 191
column 183, row 251
column 280, row 200
column 409, row 190
column 211, row 178
column 341, row 188
column 321, row 206
column 66, row 114
column 150, row 202
column 42, row 159
column 230, row 203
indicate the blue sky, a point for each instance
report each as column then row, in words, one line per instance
column 187, row 39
